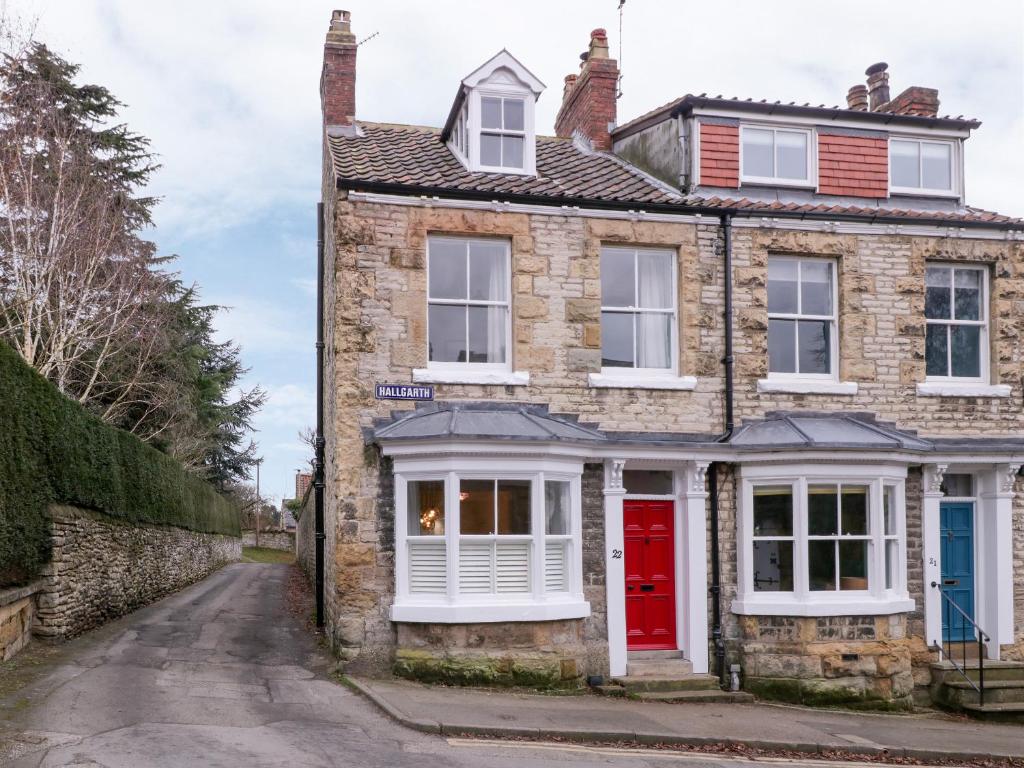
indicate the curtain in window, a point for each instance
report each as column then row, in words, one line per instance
column 653, row 331
column 496, row 316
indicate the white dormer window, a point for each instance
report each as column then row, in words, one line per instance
column 502, row 131
column 491, row 126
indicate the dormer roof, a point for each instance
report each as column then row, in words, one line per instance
column 502, row 67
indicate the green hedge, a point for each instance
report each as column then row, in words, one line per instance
column 54, row 452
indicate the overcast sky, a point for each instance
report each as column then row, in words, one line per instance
column 227, row 91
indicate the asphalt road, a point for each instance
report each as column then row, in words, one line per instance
column 223, row 674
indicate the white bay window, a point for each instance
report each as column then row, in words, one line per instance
column 479, row 545
column 821, row 541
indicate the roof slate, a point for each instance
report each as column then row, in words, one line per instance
column 415, row 156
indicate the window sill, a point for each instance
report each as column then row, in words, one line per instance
column 807, row 386
column 857, row 606
column 956, row 389
column 468, row 613
column 612, row 381
column 508, row 378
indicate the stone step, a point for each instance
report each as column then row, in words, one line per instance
column 943, row 671
column 677, row 667
column 648, row 655
column 696, row 697
column 650, row 683
column 996, row 692
column 1012, row 712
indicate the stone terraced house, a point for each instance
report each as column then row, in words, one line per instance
column 736, row 385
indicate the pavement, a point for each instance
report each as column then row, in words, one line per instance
column 593, row 718
column 224, row 673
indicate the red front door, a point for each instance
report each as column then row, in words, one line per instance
column 650, row 575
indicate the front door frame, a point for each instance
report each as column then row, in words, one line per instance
column 691, row 561
column 995, row 485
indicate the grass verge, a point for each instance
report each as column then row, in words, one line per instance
column 264, row 555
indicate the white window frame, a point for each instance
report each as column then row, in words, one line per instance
column 877, row 599
column 812, row 153
column 475, row 128
column 984, row 362
column 537, row 604
column 611, row 375
column 833, row 320
column 457, row 368
column 954, row 168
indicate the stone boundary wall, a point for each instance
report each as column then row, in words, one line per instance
column 283, row 540
column 17, row 611
column 103, row 568
column 305, row 537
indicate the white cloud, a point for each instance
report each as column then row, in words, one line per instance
column 288, row 405
column 308, row 287
column 259, row 326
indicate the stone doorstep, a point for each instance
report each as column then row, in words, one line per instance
column 961, row 692
column 943, row 671
column 696, row 697
column 652, row 683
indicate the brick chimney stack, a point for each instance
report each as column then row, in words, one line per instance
column 857, row 98
column 878, row 85
column 338, row 77
column 915, row 100
column 588, row 104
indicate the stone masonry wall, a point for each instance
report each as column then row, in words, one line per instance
column 103, row 568
column 376, row 289
column 283, row 540
column 305, row 537
column 17, row 613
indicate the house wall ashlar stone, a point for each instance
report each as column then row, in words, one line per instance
column 377, row 333
column 103, row 568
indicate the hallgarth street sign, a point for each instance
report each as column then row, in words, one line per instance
column 404, row 392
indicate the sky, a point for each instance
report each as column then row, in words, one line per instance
column 227, row 91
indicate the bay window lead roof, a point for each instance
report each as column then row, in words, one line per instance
column 824, row 431
column 483, row 421
column 777, row 430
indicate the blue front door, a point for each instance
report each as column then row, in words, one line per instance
column 956, row 521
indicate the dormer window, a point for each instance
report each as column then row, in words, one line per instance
column 921, row 167
column 503, row 132
column 776, row 156
column 491, row 126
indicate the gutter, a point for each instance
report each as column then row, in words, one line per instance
column 453, row 193
column 318, row 459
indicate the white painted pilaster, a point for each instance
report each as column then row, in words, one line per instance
column 614, row 562
column 994, row 523
column 695, row 568
column 932, row 551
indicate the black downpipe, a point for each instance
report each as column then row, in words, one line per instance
column 318, row 458
column 728, row 360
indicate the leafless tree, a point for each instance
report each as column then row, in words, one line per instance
column 79, row 294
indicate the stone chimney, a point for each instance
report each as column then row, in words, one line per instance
column 588, row 103
column 338, row 77
column 878, row 85
column 857, row 98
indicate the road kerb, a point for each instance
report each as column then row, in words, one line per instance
column 651, row 738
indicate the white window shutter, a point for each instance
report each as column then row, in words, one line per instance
column 555, row 567
column 475, row 567
column 512, row 566
column 427, row 568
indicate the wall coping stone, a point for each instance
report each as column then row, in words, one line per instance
column 14, row 594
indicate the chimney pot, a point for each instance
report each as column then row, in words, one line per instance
column 878, row 85
column 857, row 98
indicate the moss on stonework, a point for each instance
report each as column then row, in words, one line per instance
column 487, row 671
column 821, row 693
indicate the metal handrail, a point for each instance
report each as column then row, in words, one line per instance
column 945, row 649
